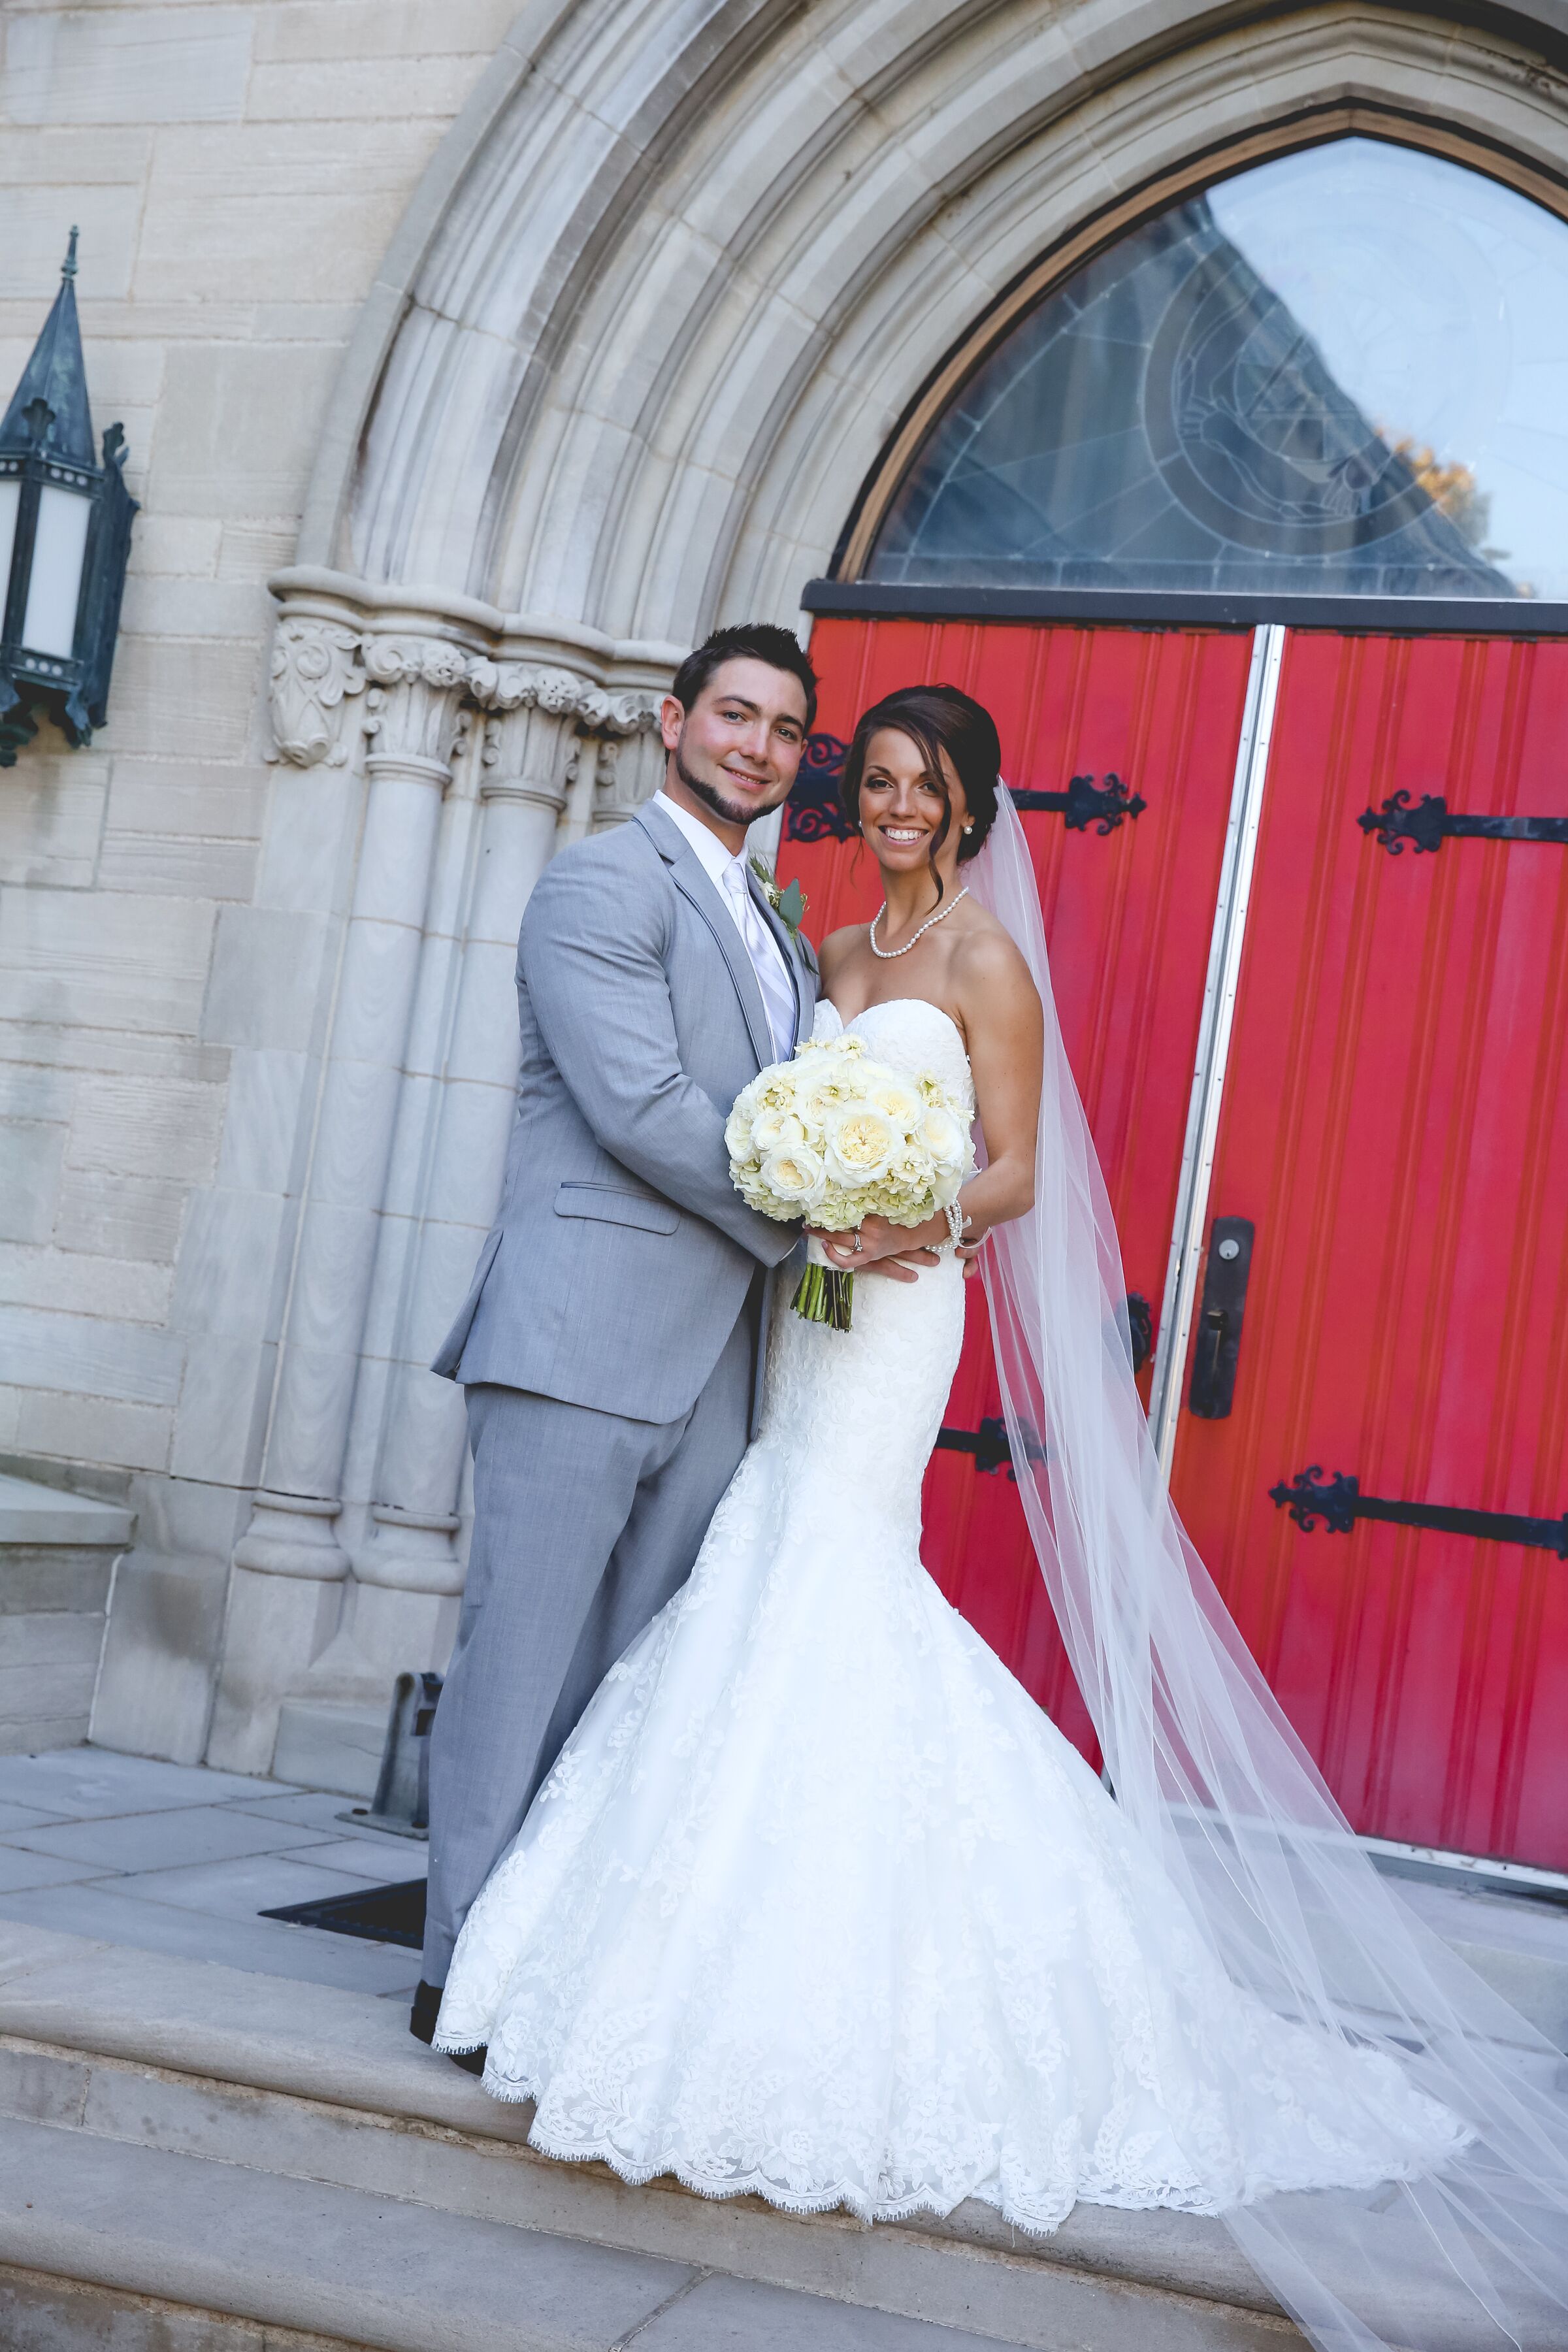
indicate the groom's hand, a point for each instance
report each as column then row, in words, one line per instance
column 884, row 1249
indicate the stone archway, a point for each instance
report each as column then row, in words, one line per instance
column 664, row 296
column 666, row 319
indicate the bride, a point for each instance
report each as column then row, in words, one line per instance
column 816, row 1904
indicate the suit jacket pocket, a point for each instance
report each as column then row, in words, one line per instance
column 614, row 1207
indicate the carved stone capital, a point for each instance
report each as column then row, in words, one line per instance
column 315, row 667
column 526, row 686
column 532, row 713
column 629, row 713
column 631, row 754
column 554, row 693
column 416, row 714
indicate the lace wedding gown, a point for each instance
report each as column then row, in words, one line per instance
column 817, row 1905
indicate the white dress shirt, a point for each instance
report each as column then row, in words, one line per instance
column 728, row 873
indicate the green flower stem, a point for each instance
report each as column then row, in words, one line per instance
column 826, row 1294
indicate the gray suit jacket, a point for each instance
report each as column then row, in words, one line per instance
column 622, row 1254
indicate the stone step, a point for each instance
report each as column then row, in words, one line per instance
column 249, row 2147
column 58, row 1552
column 125, row 2233
column 285, row 2154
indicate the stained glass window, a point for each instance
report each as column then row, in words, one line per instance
column 1342, row 372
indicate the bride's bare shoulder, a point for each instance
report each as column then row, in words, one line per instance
column 984, row 955
column 837, row 947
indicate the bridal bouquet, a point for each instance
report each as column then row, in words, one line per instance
column 834, row 1136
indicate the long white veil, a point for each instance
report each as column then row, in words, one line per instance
column 1206, row 1767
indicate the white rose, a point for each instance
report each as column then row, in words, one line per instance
column 772, row 1128
column 793, row 1173
column 915, row 1169
column 942, row 1136
column 861, row 1141
column 738, row 1134
column 822, row 1095
column 900, row 1102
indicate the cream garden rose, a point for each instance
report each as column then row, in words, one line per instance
column 796, row 1173
column 901, row 1103
column 860, row 1143
column 770, row 1128
column 835, row 1136
column 944, row 1138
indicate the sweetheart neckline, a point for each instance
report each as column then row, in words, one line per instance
column 888, row 1003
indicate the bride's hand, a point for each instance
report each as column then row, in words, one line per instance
column 903, row 1268
column 968, row 1253
column 883, row 1248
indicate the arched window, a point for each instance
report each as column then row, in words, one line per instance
column 1342, row 372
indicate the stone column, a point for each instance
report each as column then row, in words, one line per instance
column 284, row 1602
column 631, row 754
column 532, row 752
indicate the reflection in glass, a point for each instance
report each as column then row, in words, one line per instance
column 1344, row 372
column 54, row 586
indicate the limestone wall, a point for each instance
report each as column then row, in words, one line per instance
column 168, row 915
column 426, row 314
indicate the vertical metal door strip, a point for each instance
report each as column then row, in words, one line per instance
column 1214, row 1038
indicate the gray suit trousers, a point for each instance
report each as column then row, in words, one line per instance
column 584, row 1525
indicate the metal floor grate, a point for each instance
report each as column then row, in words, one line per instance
column 380, row 1915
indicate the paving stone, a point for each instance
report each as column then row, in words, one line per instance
column 20, row 1869
column 24, row 1817
column 165, row 1841
column 392, row 1861
column 102, row 1910
column 89, row 1783
column 243, row 1888
column 322, row 1809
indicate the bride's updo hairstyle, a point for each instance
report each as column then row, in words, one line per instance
column 936, row 718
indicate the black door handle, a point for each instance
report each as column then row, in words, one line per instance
column 1218, row 1349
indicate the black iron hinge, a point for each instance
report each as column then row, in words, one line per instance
column 1427, row 822
column 812, row 812
column 1339, row 1503
column 988, row 1444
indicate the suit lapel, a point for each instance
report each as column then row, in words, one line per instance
column 789, row 946
column 686, row 873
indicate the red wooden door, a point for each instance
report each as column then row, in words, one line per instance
column 1395, row 1125
column 1128, row 917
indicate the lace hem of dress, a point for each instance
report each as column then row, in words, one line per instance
column 1041, row 2217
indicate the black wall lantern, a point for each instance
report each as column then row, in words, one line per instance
column 64, row 541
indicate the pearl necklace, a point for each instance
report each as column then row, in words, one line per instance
column 888, row 954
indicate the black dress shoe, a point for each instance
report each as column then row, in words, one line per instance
column 422, row 2025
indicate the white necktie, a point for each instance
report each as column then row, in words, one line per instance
column 778, row 996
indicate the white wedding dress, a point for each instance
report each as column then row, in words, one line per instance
column 817, row 1904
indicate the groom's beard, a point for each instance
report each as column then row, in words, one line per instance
column 711, row 797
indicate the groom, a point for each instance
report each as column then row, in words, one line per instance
column 610, row 1347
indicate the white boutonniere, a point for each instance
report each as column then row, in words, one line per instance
column 789, row 905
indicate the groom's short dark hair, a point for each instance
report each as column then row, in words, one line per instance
column 760, row 641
